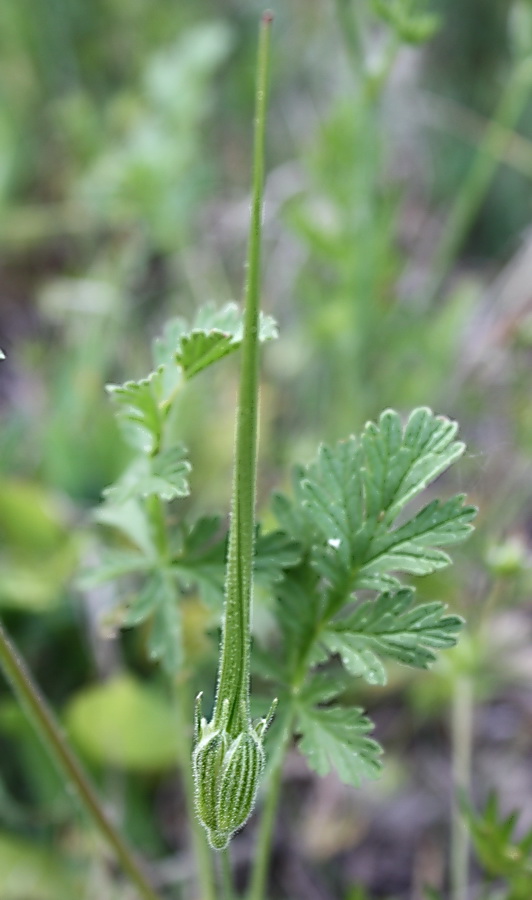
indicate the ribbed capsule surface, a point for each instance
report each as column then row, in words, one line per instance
column 243, row 767
column 208, row 763
column 226, row 774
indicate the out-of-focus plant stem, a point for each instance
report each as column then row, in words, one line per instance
column 480, row 175
column 462, row 713
column 372, row 79
column 267, row 822
column 66, row 761
column 349, row 27
column 202, row 852
column 462, row 746
column 226, row 871
column 376, row 81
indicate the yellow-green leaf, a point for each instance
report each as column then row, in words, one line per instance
column 124, row 723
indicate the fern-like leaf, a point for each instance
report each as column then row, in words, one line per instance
column 200, row 557
column 215, row 334
column 499, row 850
column 391, row 627
column 139, row 411
column 336, row 738
column 353, row 493
column 164, row 475
column 399, row 463
column 181, row 352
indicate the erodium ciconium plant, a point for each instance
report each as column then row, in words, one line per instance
column 353, row 529
column 228, row 757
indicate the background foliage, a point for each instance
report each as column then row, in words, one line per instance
column 397, row 262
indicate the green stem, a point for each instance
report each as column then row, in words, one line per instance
column 376, row 81
column 264, row 842
column 462, row 711
column 233, row 678
column 157, row 519
column 226, row 871
column 202, row 853
column 478, row 180
column 267, row 820
column 349, row 28
column 462, row 745
column 48, row 728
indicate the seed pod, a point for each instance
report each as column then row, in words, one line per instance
column 227, row 775
column 242, row 770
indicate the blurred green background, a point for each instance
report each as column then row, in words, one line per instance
column 398, row 262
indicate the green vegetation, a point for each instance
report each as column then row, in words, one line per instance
column 383, row 253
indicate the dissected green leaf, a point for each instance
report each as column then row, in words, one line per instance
column 140, row 413
column 164, row 475
column 157, row 602
column 300, row 609
column 199, row 349
column 354, row 492
column 399, row 463
column 124, row 723
column 145, row 601
column 114, row 564
column 164, row 350
column 165, row 346
column 412, row 25
column 331, row 495
column 499, row 851
column 275, row 552
column 266, row 665
column 200, row 559
column 413, row 547
column 164, row 642
column 336, row 737
column 131, row 520
column 292, row 517
column 344, row 516
column 180, row 352
column 322, row 687
column 391, row 627
column 215, row 334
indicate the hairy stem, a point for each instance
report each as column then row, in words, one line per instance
column 66, row 761
column 233, row 678
column 267, row 821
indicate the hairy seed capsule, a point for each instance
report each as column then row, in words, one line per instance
column 227, row 774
